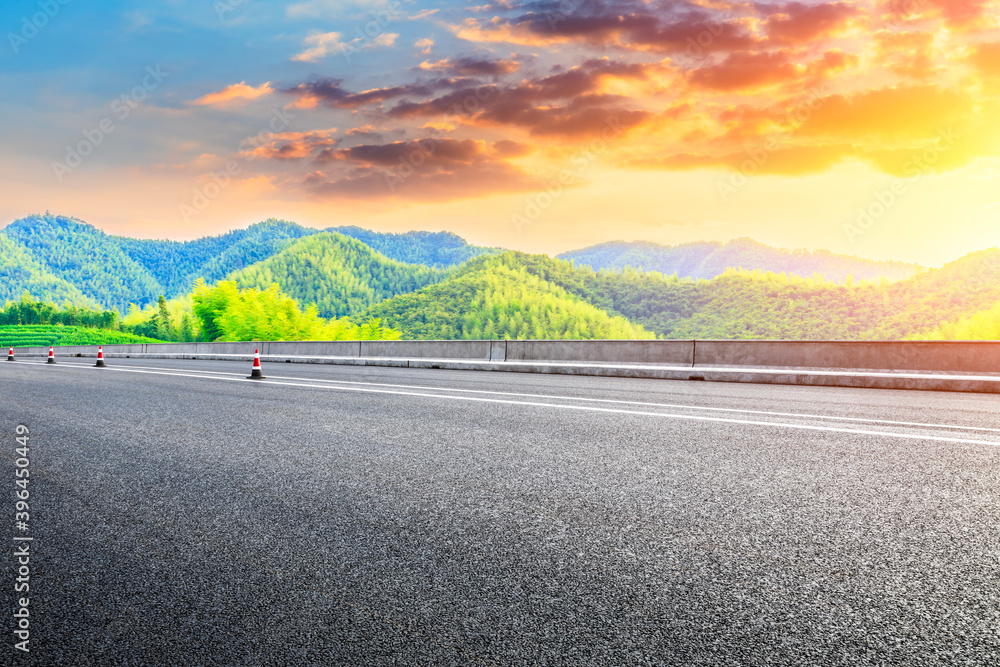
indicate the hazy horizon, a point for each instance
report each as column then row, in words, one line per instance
column 567, row 249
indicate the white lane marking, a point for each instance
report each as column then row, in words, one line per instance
column 558, row 406
column 566, row 364
column 673, row 406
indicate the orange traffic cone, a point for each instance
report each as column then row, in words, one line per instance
column 256, row 374
column 10, row 355
column 100, row 357
column 52, row 355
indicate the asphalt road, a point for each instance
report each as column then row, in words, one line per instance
column 335, row 515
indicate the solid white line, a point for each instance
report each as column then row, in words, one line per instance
column 582, row 408
column 675, row 406
column 209, row 356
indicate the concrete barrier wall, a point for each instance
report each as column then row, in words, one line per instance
column 428, row 349
column 965, row 357
column 313, row 348
column 669, row 352
column 941, row 356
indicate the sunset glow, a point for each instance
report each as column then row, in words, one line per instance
column 863, row 127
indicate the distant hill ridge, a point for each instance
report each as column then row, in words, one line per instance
column 706, row 260
column 420, row 284
column 63, row 258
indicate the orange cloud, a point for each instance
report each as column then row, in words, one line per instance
column 234, row 94
column 888, row 114
column 294, row 145
column 745, row 70
column 428, row 170
column 765, row 159
column 986, row 58
column 798, row 23
column 907, row 54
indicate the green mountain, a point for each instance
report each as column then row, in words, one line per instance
column 177, row 265
column 757, row 304
column 87, row 258
column 114, row 271
column 20, row 273
column 436, row 249
column 708, row 260
column 501, row 294
column 497, row 298
column 341, row 275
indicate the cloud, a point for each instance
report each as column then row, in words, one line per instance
column 424, row 46
column 325, row 44
column 472, row 66
column 986, row 58
column 800, row 23
column 294, row 145
column 332, row 93
column 907, row 54
column 423, row 13
column 784, row 161
column 635, row 26
column 747, row 70
column 429, row 170
column 565, row 104
column 887, row 114
column 234, row 94
column 684, row 85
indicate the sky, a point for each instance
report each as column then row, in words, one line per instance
column 864, row 127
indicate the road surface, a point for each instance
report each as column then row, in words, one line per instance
column 336, row 515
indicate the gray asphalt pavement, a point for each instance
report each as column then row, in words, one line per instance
column 335, row 515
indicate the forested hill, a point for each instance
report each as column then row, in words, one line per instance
column 493, row 294
column 176, row 265
column 708, row 260
column 340, row 275
column 86, row 258
column 20, row 273
column 437, row 249
column 61, row 258
column 500, row 299
column 737, row 304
